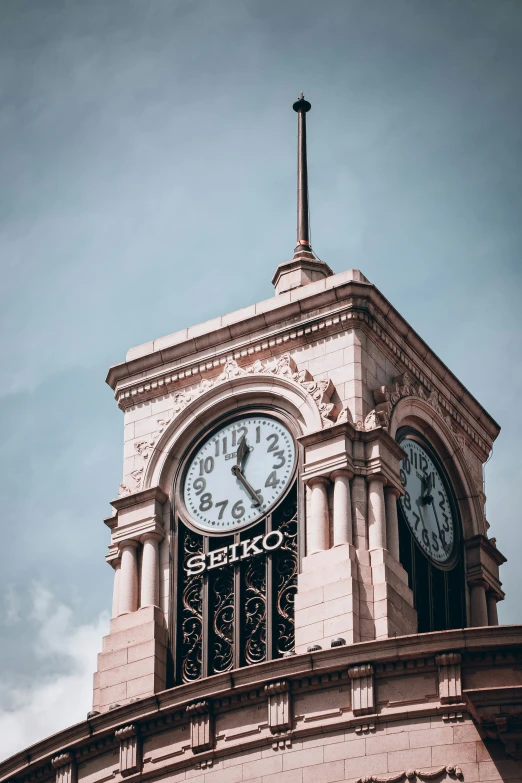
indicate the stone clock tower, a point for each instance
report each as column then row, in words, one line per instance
column 304, row 584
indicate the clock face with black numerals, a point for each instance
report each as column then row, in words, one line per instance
column 238, row 473
column 426, row 504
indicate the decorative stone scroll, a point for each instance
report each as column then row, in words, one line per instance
column 450, row 684
column 363, row 690
column 410, row 774
column 66, row 769
column 130, row 749
column 279, row 706
column 387, row 397
column 320, row 390
column 201, row 725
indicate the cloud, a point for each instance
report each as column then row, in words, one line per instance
column 36, row 706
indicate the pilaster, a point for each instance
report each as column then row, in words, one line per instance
column 132, row 663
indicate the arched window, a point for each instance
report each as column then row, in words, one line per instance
column 430, row 538
column 242, row 612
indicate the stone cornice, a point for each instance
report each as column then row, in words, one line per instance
column 99, row 730
column 324, row 308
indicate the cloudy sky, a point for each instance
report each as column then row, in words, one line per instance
column 147, row 183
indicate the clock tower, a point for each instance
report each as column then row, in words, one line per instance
column 305, row 588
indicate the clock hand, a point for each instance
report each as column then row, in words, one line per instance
column 242, row 450
column 238, row 473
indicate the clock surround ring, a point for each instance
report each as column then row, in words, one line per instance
column 179, row 506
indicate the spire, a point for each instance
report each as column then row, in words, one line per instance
column 304, row 267
column 301, row 106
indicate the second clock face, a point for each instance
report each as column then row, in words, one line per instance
column 239, row 473
column 426, row 504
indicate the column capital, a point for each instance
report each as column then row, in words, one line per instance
column 154, row 535
column 316, row 480
column 376, row 477
column 342, row 472
column 128, row 542
column 392, row 490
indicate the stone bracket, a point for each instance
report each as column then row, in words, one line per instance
column 65, row 766
column 201, row 725
column 363, row 689
column 130, row 749
column 450, row 681
column 279, row 706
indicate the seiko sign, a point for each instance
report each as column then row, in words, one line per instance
column 243, row 550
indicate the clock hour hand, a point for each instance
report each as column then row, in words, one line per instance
column 238, row 473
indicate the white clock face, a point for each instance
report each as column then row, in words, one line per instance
column 425, row 504
column 238, row 473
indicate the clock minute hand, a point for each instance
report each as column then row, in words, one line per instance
column 242, row 450
column 238, row 473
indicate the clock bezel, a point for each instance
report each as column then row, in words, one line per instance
column 196, row 443
column 410, row 433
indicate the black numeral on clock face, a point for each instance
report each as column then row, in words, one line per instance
column 205, row 502
column 206, row 465
column 273, row 439
column 272, row 480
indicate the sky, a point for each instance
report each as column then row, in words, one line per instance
column 147, row 183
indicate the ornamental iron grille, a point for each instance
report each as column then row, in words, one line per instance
column 242, row 612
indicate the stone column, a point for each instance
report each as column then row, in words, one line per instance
column 478, row 606
column 150, row 570
column 491, row 600
column 318, row 524
column 342, row 508
column 391, row 495
column 376, row 515
column 359, row 512
column 128, row 598
column 116, row 588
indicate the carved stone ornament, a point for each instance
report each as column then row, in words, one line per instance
column 410, row 774
column 279, row 706
column 130, row 749
column 65, row 766
column 450, row 685
column 201, row 725
column 387, row 397
column 320, row 390
column 363, row 691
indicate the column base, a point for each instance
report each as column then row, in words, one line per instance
column 132, row 663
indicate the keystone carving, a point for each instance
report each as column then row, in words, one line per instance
column 279, row 706
column 65, row 766
column 201, row 725
column 410, row 774
column 130, row 749
column 450, row 684
column 363, row 691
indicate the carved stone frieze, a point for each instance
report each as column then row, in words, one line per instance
column 387, row 397
column 320, row 390
column 452, row 770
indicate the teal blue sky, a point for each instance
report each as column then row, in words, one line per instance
column 148, row 183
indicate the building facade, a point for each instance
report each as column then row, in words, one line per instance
column 305, row 588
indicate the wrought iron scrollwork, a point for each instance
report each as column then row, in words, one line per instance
column 223, row 622
column 191, row 612
column 285, row 581
column 255, row 611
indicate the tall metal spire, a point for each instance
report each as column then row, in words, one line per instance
column 302, row 106
column 304, row 267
